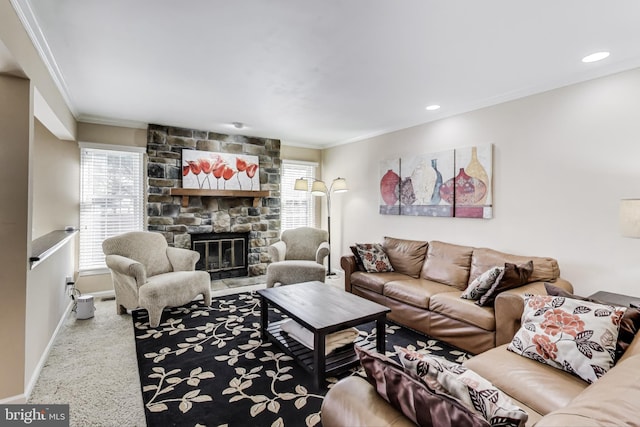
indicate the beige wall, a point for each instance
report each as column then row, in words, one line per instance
column 116, row 135
column 562, row 161
column 16, row 121
column 56, row 182
column 288, row 152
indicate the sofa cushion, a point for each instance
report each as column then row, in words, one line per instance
column 449, row 264
column 482, row 283
column 450, row 304
column 541, row 387
column 576, row 336
column 474, row 391
column 544, row 269
column 612, row 400
column 375, row 281
column 373, row 257
column 406, row 256
column 511, row 277
column 413, row 397
column 415, row 292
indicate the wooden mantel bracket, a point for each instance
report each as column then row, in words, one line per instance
column 187, row 192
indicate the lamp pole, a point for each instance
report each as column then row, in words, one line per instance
column 319, row 188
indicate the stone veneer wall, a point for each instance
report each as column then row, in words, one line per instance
column 212, row 214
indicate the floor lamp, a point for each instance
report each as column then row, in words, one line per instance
column 319, row 188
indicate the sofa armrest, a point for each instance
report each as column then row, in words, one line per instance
column 127, row 267
column 509, row 306
column 182, row 259
column 355, row 402
column 348, row 264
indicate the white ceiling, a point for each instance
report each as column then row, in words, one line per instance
column 319, row 73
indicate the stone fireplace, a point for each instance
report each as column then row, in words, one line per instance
column 184, row 221
column 222, row 254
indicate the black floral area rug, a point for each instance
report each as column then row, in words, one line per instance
column 207, row 366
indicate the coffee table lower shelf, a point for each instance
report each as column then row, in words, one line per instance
column 338, row 361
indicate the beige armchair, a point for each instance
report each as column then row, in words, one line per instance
column 147, row 273
column 298, row 256
column 304, row 243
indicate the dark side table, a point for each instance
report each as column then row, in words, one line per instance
column 616, row 299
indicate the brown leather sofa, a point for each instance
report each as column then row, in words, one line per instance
column 423, row 292
column 551, row 397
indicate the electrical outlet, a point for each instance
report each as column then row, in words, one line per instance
column 69, row 280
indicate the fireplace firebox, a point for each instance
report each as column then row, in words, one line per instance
column 222, row 255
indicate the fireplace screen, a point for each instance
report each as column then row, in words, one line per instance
column 222, row 255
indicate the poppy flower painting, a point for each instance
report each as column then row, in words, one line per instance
column 206, row 170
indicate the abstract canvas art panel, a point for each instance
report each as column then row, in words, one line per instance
column 472, row 185
column 422, row 179
column 389, row 180
column 220, row 171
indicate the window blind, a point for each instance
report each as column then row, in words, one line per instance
column 111, row 200
column 297, row 207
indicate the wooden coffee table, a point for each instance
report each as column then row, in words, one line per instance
column 322, row 309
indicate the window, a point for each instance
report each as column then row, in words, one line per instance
column 111, row 198
column 297, row 207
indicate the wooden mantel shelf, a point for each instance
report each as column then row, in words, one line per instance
column 187, row 192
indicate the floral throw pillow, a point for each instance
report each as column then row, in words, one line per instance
column 374, row 259
column 472, row 390
column 482, row 283
column 576, row 336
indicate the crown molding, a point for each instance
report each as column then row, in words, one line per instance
column 30, row 24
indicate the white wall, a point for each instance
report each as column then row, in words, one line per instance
column 562, row 161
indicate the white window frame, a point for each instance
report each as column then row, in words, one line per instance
column 289, row 197
column 96, row 220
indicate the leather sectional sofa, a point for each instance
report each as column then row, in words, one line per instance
column 551, row 397
column 423, row 292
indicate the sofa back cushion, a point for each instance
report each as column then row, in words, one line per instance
column 448, row 263
column 544, row 269
column 406, row 256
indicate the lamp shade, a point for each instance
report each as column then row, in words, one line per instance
column 630, row 217
column 319, row 188
column 339, row 185
column 301, row 184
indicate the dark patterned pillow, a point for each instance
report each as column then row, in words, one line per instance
column 482, row 283
column 475, row 392
column 356, row 255
column 629, row 325
column 512, row 277
column 413, row 397
column 573, row 335
column 374, row 258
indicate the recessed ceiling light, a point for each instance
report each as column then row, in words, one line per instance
column 237, row 125
column 595, row 57
column 432, row 107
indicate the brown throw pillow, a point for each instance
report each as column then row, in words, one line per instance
column 512, row 277
column 412, row 396
column 629, row 324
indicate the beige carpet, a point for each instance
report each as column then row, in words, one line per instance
column 92, row 367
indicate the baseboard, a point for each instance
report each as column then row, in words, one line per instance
column 19, row 399
column 45, row 354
